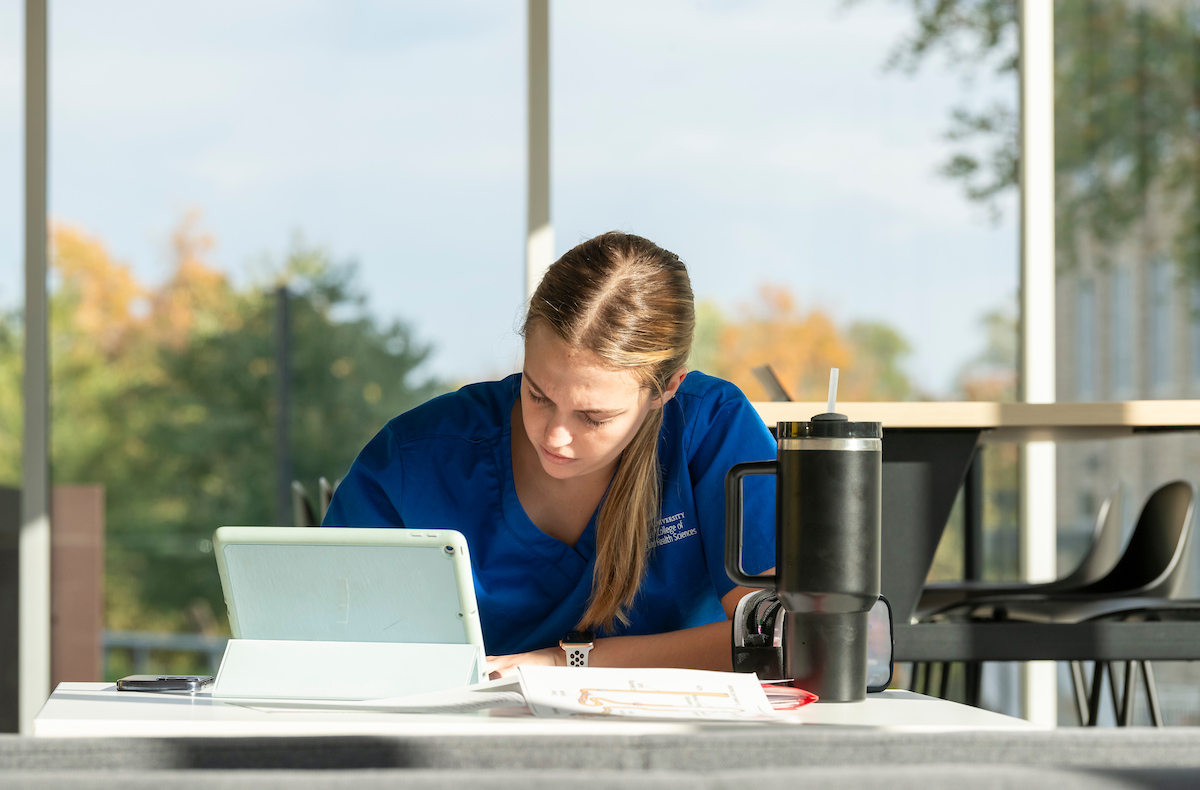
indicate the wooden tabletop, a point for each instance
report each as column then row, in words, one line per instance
column 1004, row 422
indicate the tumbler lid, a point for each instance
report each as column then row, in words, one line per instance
column 831, row 426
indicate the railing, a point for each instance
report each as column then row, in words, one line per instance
column 141, row 643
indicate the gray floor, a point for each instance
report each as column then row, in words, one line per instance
column 1063, row 760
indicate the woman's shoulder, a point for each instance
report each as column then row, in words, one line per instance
column 475, row 412
column 714, row 412
column 700, row 391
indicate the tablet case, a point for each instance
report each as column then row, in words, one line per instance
column 336, row 613
column 273, row 669
column 344, row 584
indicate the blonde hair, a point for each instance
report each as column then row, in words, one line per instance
column 629, row 302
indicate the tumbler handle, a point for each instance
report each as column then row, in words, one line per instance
column 733, row 522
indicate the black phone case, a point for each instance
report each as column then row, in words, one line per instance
column 164, row 683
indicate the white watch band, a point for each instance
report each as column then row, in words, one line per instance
column 577, row 655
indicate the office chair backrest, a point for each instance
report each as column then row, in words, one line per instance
column 1105, row 547
column 302, row 509
column 1152, row 562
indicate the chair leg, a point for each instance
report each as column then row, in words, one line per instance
column 914, row 682
column 972, row 682
column 944, row 680
column 1131, row 669
column 1096, row 692
column 1081, row 696
column 1118, row 710
column 1151, row 694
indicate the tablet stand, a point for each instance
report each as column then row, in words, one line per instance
column 281, row 669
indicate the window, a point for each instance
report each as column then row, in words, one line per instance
column 1162, row 277
column 1122, row 336
column 1194, row 326
column 1085, row 341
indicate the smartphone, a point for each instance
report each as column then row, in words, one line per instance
column 186, row 683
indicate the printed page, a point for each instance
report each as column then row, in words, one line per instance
column 644, row 693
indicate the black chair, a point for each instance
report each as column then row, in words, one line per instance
column 303, row 512
column 302, row 507
column 1102, row 555
column 1151, row 567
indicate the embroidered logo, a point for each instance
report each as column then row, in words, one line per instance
column 671, row 529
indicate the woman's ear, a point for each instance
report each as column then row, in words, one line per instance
column 670, row 390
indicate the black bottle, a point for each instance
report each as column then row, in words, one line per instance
column 827, row 537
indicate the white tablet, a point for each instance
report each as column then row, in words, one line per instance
column 344, row 584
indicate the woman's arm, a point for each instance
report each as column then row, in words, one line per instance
column 703, row 647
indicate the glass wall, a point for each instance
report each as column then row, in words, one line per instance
column 839, row 177
column 811, row 162
column 366, row 164
column 363, row 162
column 1127, row 126
column 794, row 155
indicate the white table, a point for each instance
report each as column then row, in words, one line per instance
column 99, row 710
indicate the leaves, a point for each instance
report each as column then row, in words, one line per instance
column 1127, row 112
column 166, row 396
column 801, row 347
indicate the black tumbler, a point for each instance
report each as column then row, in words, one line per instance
column 827, row 516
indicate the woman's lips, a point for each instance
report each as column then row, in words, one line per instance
column 555, row 458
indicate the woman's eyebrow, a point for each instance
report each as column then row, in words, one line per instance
column 533, row 385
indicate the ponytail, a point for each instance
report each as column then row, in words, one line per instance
column 624, row 528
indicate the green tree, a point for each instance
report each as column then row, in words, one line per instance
column 166, row 396
column 213, row 438
column 1127, row 109
column 878, row 353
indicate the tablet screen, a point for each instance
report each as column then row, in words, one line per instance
column 345, row 593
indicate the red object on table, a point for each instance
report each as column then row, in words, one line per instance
column 787, row 697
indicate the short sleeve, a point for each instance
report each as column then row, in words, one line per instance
column 726, row 430
column 370, row 493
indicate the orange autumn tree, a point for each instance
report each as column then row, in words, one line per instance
column 801, row 346
column 107, row 332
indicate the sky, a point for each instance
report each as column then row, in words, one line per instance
column 764, row 142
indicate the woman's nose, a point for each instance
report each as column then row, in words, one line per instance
column 557, row 434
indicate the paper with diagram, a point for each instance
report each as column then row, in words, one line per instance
column 644, row 693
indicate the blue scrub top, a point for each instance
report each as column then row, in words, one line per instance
column 447, row 464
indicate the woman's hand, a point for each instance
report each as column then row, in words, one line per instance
column 504, row 666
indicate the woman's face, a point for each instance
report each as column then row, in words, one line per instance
column 578, row 413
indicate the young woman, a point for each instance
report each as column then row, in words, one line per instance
column 590, row 487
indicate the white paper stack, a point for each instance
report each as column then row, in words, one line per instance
column 583, row 691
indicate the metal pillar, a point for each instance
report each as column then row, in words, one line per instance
column 33, row 612
column 1038, row 519
column 539, row 233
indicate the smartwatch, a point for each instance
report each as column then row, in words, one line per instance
column 577, row 645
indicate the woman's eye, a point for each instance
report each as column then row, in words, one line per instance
column 537, row 398
column 595, row 423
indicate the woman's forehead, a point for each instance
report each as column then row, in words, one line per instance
column 558, row 369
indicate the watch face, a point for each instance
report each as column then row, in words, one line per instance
column 577, row 638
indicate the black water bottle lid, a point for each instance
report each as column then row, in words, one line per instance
column 831, row 426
